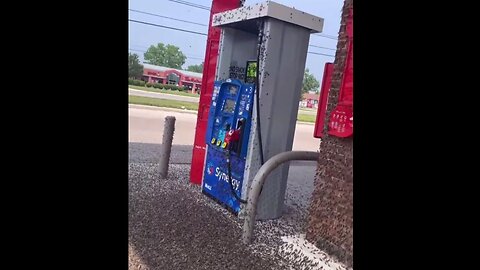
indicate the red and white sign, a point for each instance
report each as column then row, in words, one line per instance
column 341, row 122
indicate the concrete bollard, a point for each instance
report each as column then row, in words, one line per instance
column 166, row 148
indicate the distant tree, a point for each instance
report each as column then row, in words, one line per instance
column 310, row 83
column 167, row 56
column 196, row 68
column 135, row 69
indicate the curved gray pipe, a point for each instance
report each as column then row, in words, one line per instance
column 257, row 183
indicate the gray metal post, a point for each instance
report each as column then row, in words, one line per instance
column 258, row 181
column 166, row 148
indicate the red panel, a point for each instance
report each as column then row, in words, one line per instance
column 322, row 100
column 208, row 79
column 341, row 120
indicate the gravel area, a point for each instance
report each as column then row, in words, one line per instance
column 172, row 225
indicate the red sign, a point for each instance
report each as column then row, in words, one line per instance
column 341, row 122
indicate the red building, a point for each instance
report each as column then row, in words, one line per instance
column 165, row 75
column 309, row 100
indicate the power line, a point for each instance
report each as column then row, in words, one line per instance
column 191, row 57
column 193, row 32
column 322, row 47
column 207, row 8
column 196, row 58
column 326, row 36
column 175, row 19
column 322, row 54
column 135, row 50
column 190, row 4
column 168, row 27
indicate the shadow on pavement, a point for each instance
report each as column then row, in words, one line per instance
column 181, row 154
column 150, row 152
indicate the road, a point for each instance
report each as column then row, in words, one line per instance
column 146, row 126
column 141, row 93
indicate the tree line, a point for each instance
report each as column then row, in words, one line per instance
column 171, row 56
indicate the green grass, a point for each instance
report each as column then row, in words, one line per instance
column 167, row 103
column 156, row 90
column 306, row 118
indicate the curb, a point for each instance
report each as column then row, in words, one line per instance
column 155, row 108
column 194, row 99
